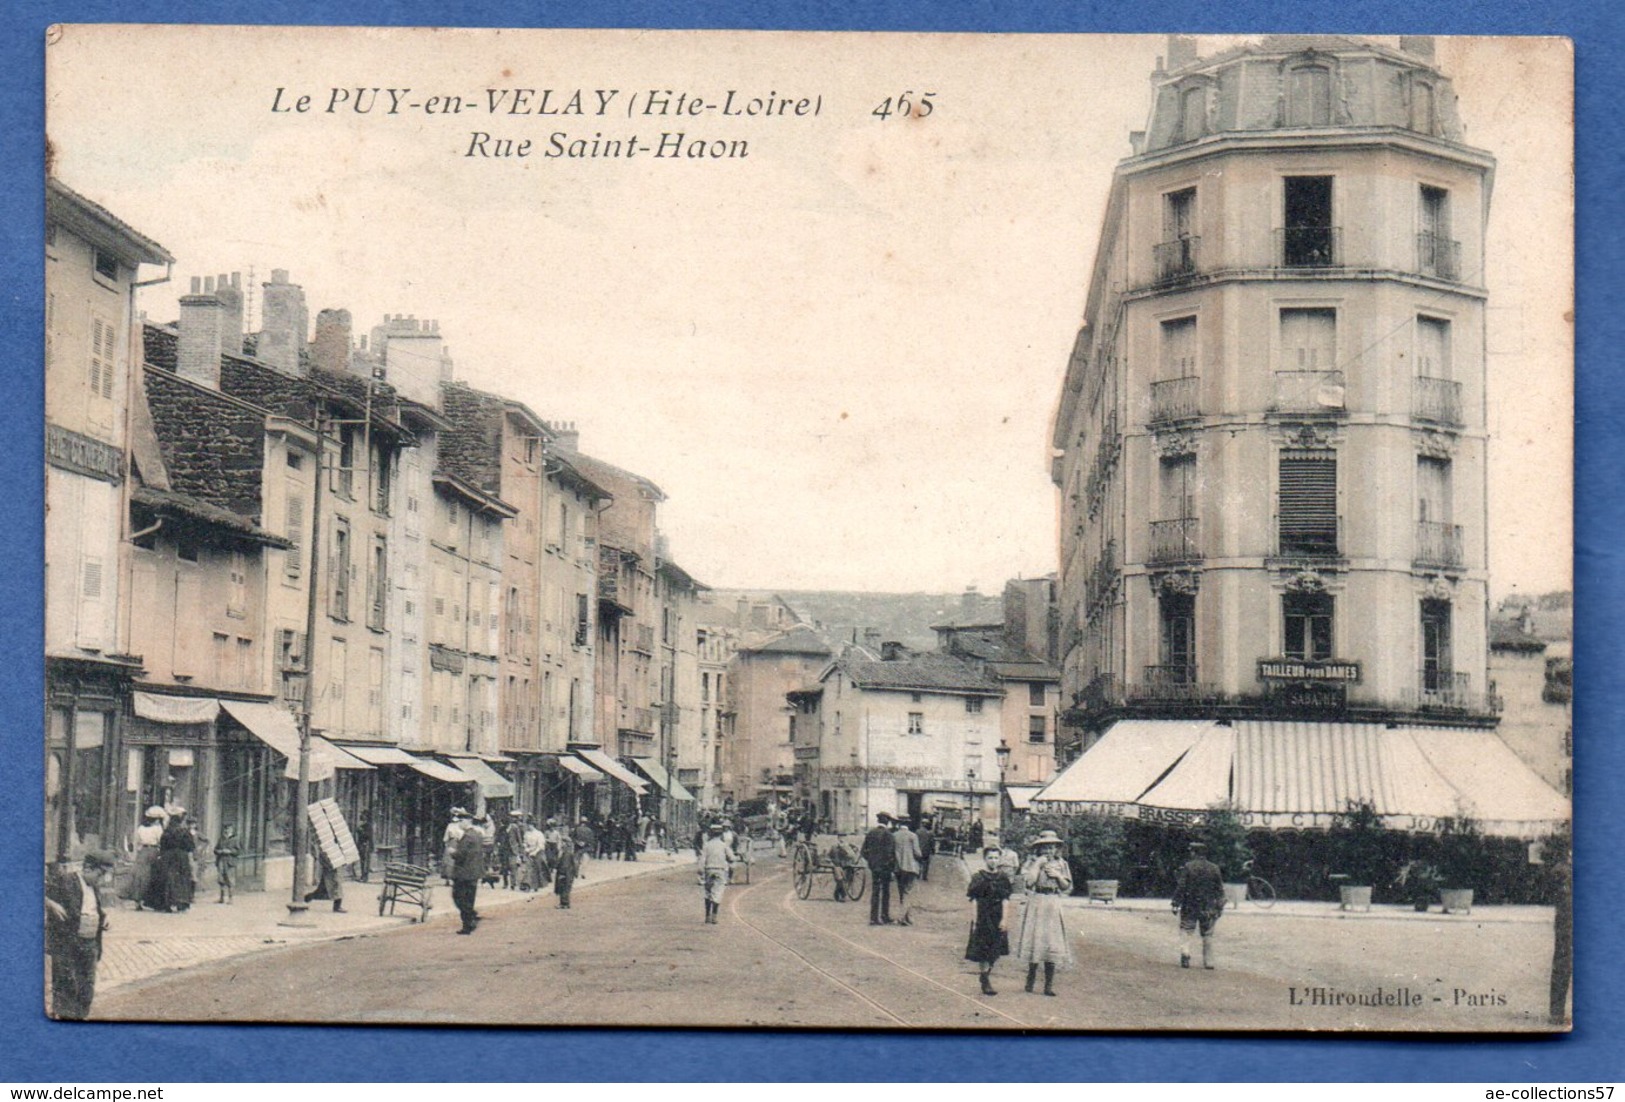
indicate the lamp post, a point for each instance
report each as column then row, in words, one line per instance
column 1001, row 754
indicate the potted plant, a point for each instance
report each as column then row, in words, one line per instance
column 1462, row 860
column 1359, row 852
column 1226, row 840
column 1418, row 881
column 1095, row 846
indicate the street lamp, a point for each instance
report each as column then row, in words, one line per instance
column 1001, row 754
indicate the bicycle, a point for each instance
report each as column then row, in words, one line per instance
column 1260, row 892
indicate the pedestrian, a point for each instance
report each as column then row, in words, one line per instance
column 145, row 839
column 488, row 838
column 329, row 884
column 879, row 852
column 363, row 843
column 989, row 934
column 843, row 859
column 553, row 842
column 75, row 919
column 172, row 872
column 629, row 839
column 1199, row 900
column 467, row 868
column 586, row 842
column 908, row 865
column 716, row 862
column 928, row 846
column 564, row 874
column 1042, row 938
column 511, row 851
column 461, row 823
column 225, row 862
column 533, row 871
column 977, row 833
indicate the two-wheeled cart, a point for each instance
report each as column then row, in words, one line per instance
column 808, row 862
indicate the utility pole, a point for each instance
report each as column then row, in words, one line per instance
column 298, row 909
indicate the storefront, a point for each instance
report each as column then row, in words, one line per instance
column 670, row 803
column 619, row 799
column 87, row 704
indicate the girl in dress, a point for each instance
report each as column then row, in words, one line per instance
column 1042, row 938
column 989, row 940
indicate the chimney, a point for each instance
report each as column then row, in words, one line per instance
column 285, row 321
column 970, row 604
column 891, row 651
column 202, row 325
column 1417, row 45
column 330, row 350
column 1181, row 51
column 229, row 290
column 566, row 437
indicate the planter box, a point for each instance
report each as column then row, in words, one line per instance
column 1235, row 895
column 1103, row 890
column 1457, row 900
column 1356, row 897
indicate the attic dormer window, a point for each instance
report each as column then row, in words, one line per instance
column 1192, row 113
column 1309, row 96
column 1424, row 107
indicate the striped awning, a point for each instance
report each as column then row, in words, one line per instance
column 606, row 764
column 663, row 779
column 493, row 785
column 579, row 768
column 1118, row 769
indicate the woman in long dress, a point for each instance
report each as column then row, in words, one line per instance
column 172, row 874
column 989, row 940
column 1042, row 937
column 146, row 855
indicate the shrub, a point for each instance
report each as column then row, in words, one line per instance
column 1226, row 840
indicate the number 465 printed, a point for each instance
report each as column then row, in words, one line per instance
column 905, row 106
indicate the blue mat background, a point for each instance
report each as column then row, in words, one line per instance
column 33, row 1049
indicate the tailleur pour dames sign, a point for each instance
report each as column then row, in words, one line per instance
column 1295, row 669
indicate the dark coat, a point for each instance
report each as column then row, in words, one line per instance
column 880, row 851
column 66, row 890
column 1199, row 887
column 987, row 944
column 468, row 856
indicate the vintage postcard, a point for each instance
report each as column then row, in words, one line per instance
column 808, row 530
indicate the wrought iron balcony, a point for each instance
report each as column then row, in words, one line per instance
column 1309, row 391
column 1309, row 247
column 1437, row 544
column 1176, row 259
column 1176, row 541
column 1173, row 684
column 1176, row 399
column 1446, row 690
column 1438, row 256
column 1436, row 400
column 1309, row 539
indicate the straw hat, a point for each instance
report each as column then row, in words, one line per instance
column 1047, row 838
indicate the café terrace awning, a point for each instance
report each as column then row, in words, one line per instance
column 275, row 726
column 606, row 764
column 1293, row 774
column 580, row 768
column 1021, row 795
column 493, row 785
column 663, row 779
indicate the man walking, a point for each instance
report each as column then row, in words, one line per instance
column 928, row 846
column 716, row 861
column 75, row 917
column 564, row 873
column 1199, row 899
column 467, row 868
column 908, row 865
column 879, row 852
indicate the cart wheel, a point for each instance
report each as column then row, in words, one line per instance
column 804, row 883
column 858, row 884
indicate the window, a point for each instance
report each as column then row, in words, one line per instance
column 1435, row 249
column 337, row 671
column 339, row 584
column 377, row 583
column 106, row 265
column 1178, row 348
column 1424, row 107
column 1433, row 348
column 1176, row 255
column 1177, row 612
column 583, row 625
column 1309, row 96
column 1308, row 620
column 1192, row 113
column 295, row 461
column 914, row 698
column 237, row 600
column 1309, row 239
column 186, row 551
column 1433, row 497
column 705, row 688
column 1178, row 487
column 1436, row 659
column 916, row 723
column 1308, row 340
column 1035, row 693
column 103, row 349
column 973, row 705
column 223, row 656
column 293, row 560
column 380, row 477
column 1307, row 516
column 1037, row 728
column 344, row 473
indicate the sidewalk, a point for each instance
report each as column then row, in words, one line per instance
column 141, row 944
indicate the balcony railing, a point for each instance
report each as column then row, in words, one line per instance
column 1309, row 247
column 1176, row 541
column 1173, row 684
column 1323, row 540
column 1438, row 256
column 1308, row 391
column 1445, row 690
column 1436, row 400
column 1176, row 399
column 1437, row 544
column 1176, row 259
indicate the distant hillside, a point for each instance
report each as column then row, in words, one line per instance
column 901, row 617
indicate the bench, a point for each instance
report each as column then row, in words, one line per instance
column 407, row 884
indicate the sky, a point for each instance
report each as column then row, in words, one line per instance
column 838, row 355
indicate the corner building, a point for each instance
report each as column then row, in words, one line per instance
column 1271, row 444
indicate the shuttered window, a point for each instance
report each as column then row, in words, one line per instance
column 293, row 562
column 1308, row 340
column 1308, row 503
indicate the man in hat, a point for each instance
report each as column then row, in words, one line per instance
column 75, row 918
column 879, row 852
column 1199, row 900
column 716, row 861
column 467, row 868
column 461, row 823
column 908, row 865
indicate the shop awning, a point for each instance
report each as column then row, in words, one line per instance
column 664, row 780
column 342, row 759
column 380, row 755
column 440, row 771
column 606, row 764
column 1113, row 773
column 1021, row 795
column 493, row 785
column 579, row 768
column 274, row 725
column 176, row 709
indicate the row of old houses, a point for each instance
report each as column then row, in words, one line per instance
column 247, row 528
